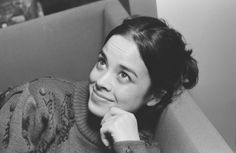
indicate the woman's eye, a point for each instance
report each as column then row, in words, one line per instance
column 124, row 77
column 101, row 63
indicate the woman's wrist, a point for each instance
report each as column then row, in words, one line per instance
column 130, row 146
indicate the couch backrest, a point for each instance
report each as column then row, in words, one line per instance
column 63, row 44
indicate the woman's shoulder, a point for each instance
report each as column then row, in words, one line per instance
column 50, row 81
column 39, row 89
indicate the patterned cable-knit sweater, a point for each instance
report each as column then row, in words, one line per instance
column 50, row 115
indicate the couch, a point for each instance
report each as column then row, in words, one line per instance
column 66, row 45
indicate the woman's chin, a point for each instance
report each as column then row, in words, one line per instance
column 96, row 109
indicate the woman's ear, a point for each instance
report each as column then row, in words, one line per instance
column 156, row 99
column 153, row 102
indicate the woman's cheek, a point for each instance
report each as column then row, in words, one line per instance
column 124, row 99
column 93, row 74
column 130, row 100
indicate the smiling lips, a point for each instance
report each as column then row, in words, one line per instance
column 99, row 97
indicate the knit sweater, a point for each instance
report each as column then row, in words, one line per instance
column 50, row 115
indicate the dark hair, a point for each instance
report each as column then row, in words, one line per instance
column 163, row 50
column 171, row 66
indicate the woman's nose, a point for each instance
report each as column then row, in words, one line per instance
column 104, row 82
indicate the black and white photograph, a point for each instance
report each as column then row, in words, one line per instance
column 117, row 76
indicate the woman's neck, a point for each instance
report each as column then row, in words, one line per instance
column 87, row 123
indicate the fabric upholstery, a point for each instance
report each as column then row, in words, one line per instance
column 63, row 44
column 183, row 128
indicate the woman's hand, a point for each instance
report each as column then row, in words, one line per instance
column 118, row 125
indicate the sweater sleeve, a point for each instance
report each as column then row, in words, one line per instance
column 35, row 115
column 135, row 147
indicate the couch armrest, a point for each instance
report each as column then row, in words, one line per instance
column 183, row 128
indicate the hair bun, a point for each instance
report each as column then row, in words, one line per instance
column 188, row 54
column 190, row 78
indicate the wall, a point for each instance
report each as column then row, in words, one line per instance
column 144, row 7
column 209, row 27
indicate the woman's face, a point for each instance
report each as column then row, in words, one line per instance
column 119, row 78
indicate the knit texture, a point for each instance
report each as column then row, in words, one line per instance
column 50, row 115
column 87, row 123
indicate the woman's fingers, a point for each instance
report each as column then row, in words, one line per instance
column 118, row 125
column 114, row 111
column 104, row 137
column 107, row 130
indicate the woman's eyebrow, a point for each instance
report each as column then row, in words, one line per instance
column 103, row 54
column 129, row 70
column 121, row 66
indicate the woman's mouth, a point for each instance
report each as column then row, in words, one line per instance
column 98, row 97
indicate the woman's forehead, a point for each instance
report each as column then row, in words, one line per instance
column 122, row 44
column 123, row 52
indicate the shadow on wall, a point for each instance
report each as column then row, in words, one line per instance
column 53, row 6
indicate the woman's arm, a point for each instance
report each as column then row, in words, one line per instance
column 135, row 147
column 32, row 114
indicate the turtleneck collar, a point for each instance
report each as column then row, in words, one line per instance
column 87, row 123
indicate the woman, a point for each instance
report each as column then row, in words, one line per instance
column 143, row 65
